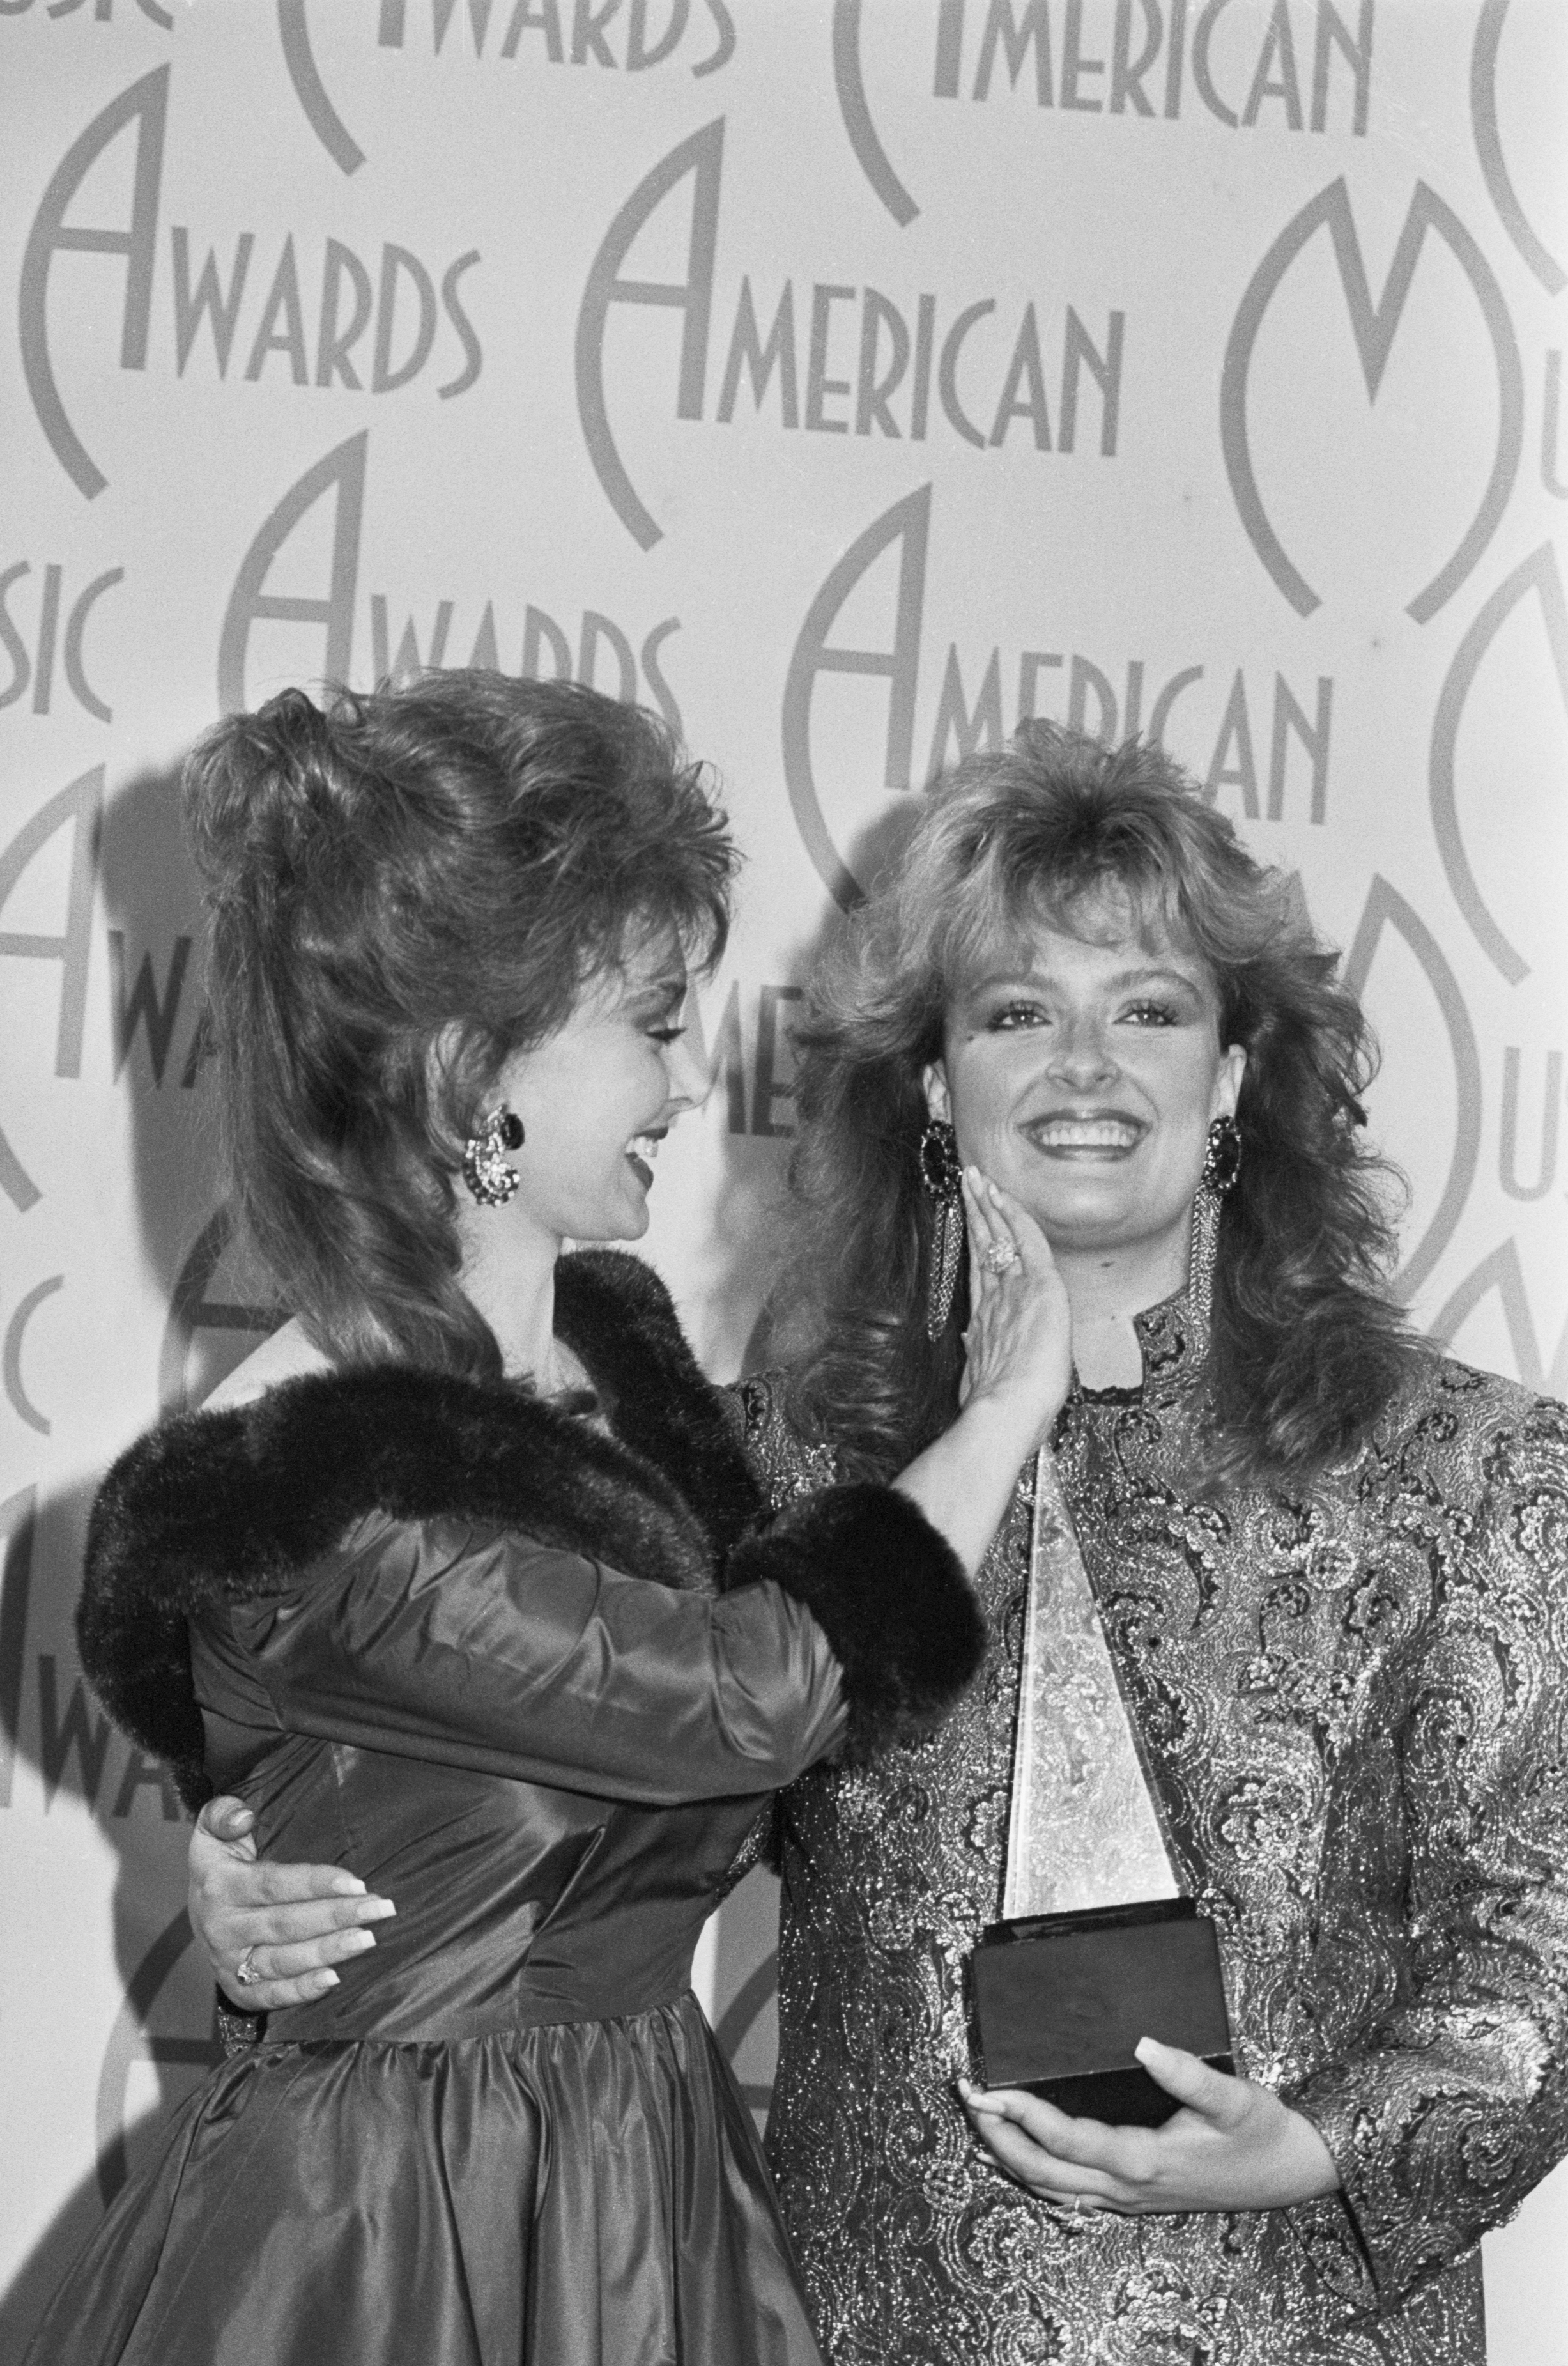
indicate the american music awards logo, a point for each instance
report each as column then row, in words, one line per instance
column 1302, row 67
column 1373, row 326
column 840, row 358
column 627, row 661
column 698, row 35
column 378, row 324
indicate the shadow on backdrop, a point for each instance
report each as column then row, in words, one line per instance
column 163, row 2037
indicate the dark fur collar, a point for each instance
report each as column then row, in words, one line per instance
column 212, row 1505
column 616, row 1313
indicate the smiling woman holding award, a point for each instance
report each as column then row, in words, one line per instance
column 1276, row 1684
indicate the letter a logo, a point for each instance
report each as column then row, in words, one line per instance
column 340, row 471
column 145, row 104
column 907, row 526
column 702, row 157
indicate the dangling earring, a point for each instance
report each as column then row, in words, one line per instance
column 942, row 1176
column 1222, row 1165
column 1222, row 1159
column 486, row 1172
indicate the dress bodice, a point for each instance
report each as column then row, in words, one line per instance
column 549, row 1768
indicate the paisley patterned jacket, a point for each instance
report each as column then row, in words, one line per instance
column 1355, row 1709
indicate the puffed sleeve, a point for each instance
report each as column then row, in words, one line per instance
column 484, row 1648
column 1457, row 2102
column 849, row 1620
column 846, row 1619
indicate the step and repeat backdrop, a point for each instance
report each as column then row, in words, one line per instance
column 846, row 382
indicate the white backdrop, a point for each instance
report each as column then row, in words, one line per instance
column 846, row 381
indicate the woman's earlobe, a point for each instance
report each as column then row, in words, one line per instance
column 933, row 1084
column 1235, row 1065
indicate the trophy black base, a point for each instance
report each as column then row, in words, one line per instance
column 1061, row 1999
column 1119, row 2099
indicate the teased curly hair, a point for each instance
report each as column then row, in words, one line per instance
column 1305, row 1348
column 404, row 889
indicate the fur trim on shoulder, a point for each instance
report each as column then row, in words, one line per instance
column 890, row 1596
column 213, row 1506
column 617, row 1315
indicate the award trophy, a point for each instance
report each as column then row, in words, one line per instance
column 1097, row 1947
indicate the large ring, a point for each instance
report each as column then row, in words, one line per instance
column 1000, row 1258
column 245, row 1972
column 1079, row 2205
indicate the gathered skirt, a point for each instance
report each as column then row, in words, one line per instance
column 586, row 2193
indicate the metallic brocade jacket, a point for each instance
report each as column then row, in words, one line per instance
column 1355, row 1709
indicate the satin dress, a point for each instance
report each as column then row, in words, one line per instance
column 513, row 2136
column 507, row 2135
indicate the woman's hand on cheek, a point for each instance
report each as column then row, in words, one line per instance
column 1018, row 1347
column 290, row 1923
column 1231, row 2147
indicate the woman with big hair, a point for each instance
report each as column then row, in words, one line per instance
column 1329, row 1568
column 462, row 1580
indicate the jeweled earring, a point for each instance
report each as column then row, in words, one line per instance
column 1222, row 1159
column 942, row 1175
column 1222, row 1165
column 486, row 1172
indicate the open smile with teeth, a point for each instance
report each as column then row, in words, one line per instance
column 641, row 1150
column 1106, row 1134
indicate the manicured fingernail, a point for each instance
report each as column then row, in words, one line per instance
column 347, row 1884
column 376, row 1910
column 357, row 1941
column 329, row 1979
